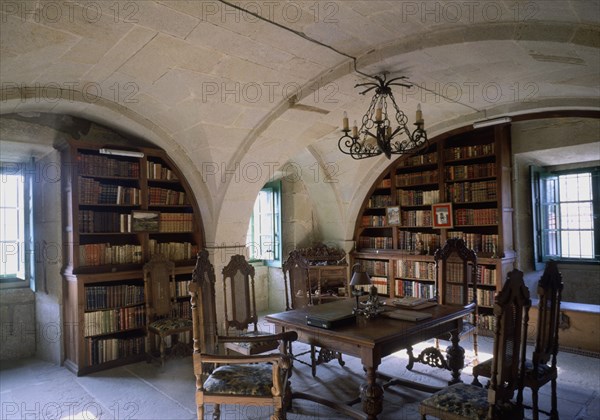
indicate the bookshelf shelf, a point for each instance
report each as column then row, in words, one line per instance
column 107, row 248
column 470, row 169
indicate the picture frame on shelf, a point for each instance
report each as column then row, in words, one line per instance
column 442, row 216
column 144, row 221
column 392, row 215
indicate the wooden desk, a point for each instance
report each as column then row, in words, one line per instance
column 372, row 339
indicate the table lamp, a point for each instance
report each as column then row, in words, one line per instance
column 359, row 278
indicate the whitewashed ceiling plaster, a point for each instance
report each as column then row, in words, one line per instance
column 234, row 98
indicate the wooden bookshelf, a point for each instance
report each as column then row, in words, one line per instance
column 471, row 170
column 118, row 212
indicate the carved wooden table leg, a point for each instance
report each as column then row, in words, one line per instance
column 455, row 357
column 371, row 394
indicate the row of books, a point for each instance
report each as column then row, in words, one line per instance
column 156, row 170
column 415, row 289
column 96, row 165
column 102, row 350
column 454, row 272
column 484, row 297
column 418, row 243
column 375, row 267
column 380, row 201
column 376, row 242
column 425, row 159
column 176, row 222
column 418, row 197
column 182, row 309
column 105, row 297
column 96, row 192
column 416, row 218
column 157, row 196
column 487, row 322
column 105, row 253
column 91, row 221
column 471, row 192
column 381, row 284
column 476, row 217
column 465, row 152
column 180, row 288
column 416, row 178
column 479, row 170
column 486, row 275
column 173, row 251
column 454, row 294
column 421, row 270
column 374, row 221
column 113, row 320
column 478, row 242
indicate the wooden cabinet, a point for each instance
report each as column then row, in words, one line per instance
column 395, row 234
column 119, row 209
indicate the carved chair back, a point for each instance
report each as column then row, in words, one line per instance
column 202, row 297
column 511, row 309
column 457, row 266
column 238, row 291
column 549, row 290
column 296, row 281
column 159, row 287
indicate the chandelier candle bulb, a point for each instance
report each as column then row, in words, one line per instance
column 379, row 111
column 419, row 119
column 355, row 130
column 345, row 121
column 388, row 132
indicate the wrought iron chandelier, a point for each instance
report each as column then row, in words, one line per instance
column 376, row 134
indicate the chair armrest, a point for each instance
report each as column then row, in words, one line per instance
column 237, row 360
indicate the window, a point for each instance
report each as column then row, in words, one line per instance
column 14, row 227
column 265, row 225
column 566, row 207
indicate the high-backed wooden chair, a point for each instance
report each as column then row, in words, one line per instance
column 456, row 284
column 541, row 369
column 240, row 308
column 298, row 295
column 463, row 401
column 162, row 321
column 257, row 380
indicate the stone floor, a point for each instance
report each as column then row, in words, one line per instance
column 33, row 389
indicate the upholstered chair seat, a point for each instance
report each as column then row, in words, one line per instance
column 170, row 324
column 256, row 379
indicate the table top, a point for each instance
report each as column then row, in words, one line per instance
column 367, row 332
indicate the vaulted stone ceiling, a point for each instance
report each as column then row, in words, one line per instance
column 235, row 95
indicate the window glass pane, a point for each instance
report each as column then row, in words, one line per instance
column 549, row 217
column 550, row 246
column 584, row 187
column 587, row 243
column 9, row 262
column 10, row 194
column 10, row 224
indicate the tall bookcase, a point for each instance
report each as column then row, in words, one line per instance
column 118, row 210
column 395, row 237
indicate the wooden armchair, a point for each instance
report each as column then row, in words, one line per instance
column 162, row 322
column 537, row 370
column 298, row 294
column 240, row 308
column 222, row 379
column 462, row 401
column 456, row 284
